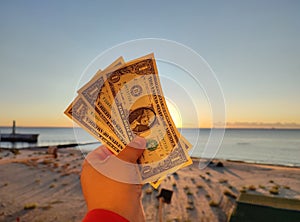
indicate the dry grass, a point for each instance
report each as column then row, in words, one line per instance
column 274, row 190
column 202, row 177
column 243, row 190
column 186, row 188
column 207, row 195
column 189, row 193
column 199, row 186
column 213, row 203
column 223, row 180
column 148, row 191
column 46, row 162
column 56, row 202
column 229, row 194
column 191, row 202
column 15, row 151
column 190, row 207
column 30, row 206
column 46, row 207
column 230, row 187
column 65, row 166
column 252, row 188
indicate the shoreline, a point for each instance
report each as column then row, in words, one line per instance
column 76, row 146
column 35, row 186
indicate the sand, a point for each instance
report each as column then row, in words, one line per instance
column 34, row 186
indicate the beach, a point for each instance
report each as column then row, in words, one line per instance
column 35, row 186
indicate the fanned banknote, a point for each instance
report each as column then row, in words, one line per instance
column 96, row 88
column 80, row 112
column 126, row 100
column 92, row 120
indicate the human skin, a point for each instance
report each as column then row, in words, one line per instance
column 102, row 192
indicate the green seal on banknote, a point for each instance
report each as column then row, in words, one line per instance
column 151, row 144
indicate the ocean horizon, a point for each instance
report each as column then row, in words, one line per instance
column 265, row 146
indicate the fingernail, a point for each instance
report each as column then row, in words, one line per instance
column 138, row 142
column 103, row 153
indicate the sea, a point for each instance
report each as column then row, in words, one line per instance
column 266, row 146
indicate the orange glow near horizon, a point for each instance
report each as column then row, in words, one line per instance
column 64, row 121
column 58, row 119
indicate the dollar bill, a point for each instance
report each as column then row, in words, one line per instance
column 105, row 101
column 126, row 100
column 137, row 99
column 117, row 63
column 136, row 103
column 81, row 113
column 155, row 184
column 95, row 88
column 154, row 171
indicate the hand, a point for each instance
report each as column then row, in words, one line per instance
column 107, row 193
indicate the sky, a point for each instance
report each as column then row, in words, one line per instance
column 252, row 46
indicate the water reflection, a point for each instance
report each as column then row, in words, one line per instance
column 16, row 145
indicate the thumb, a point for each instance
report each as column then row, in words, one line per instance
column 133, row 150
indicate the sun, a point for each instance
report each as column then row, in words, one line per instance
column 175, row 113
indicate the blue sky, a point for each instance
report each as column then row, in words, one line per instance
column 253, row 47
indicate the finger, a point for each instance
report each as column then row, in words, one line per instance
column 101, row 154
column 133, row 150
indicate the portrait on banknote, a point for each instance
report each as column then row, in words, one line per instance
column 141, row 119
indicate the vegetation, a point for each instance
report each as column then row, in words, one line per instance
column 30, row 206
column 213, row 203
column 46, row 207
column 149, row 191
column 223, row 180
column 230, row 187
column 229, row 194
column 199, row 186
column 186, row 188
column 219, row 164
column 252, row 188
column 189, row 193
column 15, row 151
column 274, row 190
column 243, row 190
column 190, row 207
column 207, row 195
